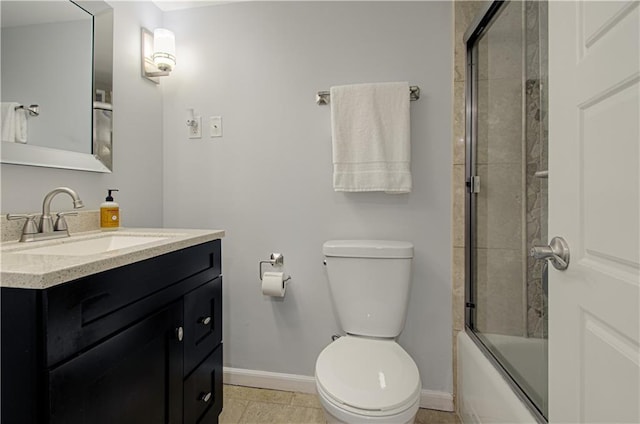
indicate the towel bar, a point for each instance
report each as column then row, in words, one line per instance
column 34, row 110
column 322, row 97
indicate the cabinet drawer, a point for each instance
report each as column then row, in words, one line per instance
column 83, row 312
column 203, row 391
column 202, row 322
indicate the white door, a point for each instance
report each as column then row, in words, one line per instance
column 594, row 198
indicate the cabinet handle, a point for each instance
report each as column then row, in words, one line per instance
column 204, row 320
column 205, row 397
column 180, row 333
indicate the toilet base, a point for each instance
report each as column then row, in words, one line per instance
column 336, row 415
column 333, row 420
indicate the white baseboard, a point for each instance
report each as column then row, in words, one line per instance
column 269, row 380
column 429, row 399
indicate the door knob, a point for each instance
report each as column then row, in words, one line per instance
column 557, row 252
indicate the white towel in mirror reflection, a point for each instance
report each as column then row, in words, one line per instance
column 102, row 127
column 14, row 123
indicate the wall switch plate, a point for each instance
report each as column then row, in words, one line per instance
column 194, row 127
column 215, row 126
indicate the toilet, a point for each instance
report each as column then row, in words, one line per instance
column 366, row 376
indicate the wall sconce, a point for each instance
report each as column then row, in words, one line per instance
column 158, row 53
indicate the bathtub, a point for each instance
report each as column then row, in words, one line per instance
column 484, row 395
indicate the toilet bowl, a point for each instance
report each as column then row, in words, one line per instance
column 366, row 376
column 365, row 380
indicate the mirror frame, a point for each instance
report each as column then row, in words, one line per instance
column 30, row 155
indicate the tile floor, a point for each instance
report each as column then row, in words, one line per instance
column 262, row 406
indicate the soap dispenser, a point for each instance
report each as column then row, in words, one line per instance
column 109, row 213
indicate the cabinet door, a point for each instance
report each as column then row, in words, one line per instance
column 132, row 378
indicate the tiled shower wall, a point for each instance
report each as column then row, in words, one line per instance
column 464, row 13
column 536, row 128
column 499, row 238
column 535, row 206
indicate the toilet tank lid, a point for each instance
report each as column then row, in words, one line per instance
column 368, row 249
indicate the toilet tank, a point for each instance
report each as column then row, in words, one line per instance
column 369, row 282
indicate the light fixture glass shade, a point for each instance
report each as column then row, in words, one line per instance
column 164, row 49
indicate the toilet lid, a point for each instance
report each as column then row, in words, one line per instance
column 368, row 374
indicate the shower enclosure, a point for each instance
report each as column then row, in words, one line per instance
column 506, row 104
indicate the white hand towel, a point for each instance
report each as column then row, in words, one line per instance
column 371, row 137
column 8, row 121
column 21, row 126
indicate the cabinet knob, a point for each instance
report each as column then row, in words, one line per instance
column 204, row 320
column 205, row 397
column 180, row 333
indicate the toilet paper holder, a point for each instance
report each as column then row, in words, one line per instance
column 277, row 259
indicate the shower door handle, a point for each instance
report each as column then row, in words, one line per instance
column 557, row 252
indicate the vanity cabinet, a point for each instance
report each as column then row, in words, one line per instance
column 137, row 344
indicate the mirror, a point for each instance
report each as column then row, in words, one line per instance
column 57, row 66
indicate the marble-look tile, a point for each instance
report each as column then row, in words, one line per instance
column 501, row 48
column 499, row 129
column 532, row 38
column 459, row 60
column 270, row 413
column 500, row 291
column 459, row 131
column 458, row 288
column 458, row 205
column 499, row 207
column 308, row 400
column 232, row 410
column 537, row 308
column 431, row 416
column 465, row 12
column 258, row 395
column 454, row 357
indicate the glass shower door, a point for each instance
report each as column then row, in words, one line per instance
column 508, row 308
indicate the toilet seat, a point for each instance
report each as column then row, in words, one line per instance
column 372, row 377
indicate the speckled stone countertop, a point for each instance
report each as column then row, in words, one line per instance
column 38, row 271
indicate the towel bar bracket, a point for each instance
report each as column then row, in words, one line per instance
column 34, row 110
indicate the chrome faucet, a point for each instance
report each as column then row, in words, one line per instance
column 46, row 229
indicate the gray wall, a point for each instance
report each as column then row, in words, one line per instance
column 137, row 135
column 49, row 64
column 267, row 181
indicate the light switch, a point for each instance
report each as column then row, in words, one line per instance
column 215, row 126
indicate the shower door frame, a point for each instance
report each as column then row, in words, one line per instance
column 475, row 31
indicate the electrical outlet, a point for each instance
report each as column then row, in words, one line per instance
column 215, row 126
column 194, row 127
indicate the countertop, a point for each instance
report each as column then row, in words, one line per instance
column 32, row 271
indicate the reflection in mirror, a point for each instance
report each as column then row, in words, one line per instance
column 57, row 55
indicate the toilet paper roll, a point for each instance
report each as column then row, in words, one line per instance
column 273, row 284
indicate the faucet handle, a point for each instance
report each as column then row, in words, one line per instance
column 30, row 226
column 61, row 223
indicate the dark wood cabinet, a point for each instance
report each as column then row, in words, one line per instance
column 136, row 344
column 132, row 377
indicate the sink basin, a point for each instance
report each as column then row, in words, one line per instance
column 93, row 246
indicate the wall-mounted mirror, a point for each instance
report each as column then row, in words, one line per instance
column 57, row 55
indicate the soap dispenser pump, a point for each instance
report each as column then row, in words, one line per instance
column 109, row 213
